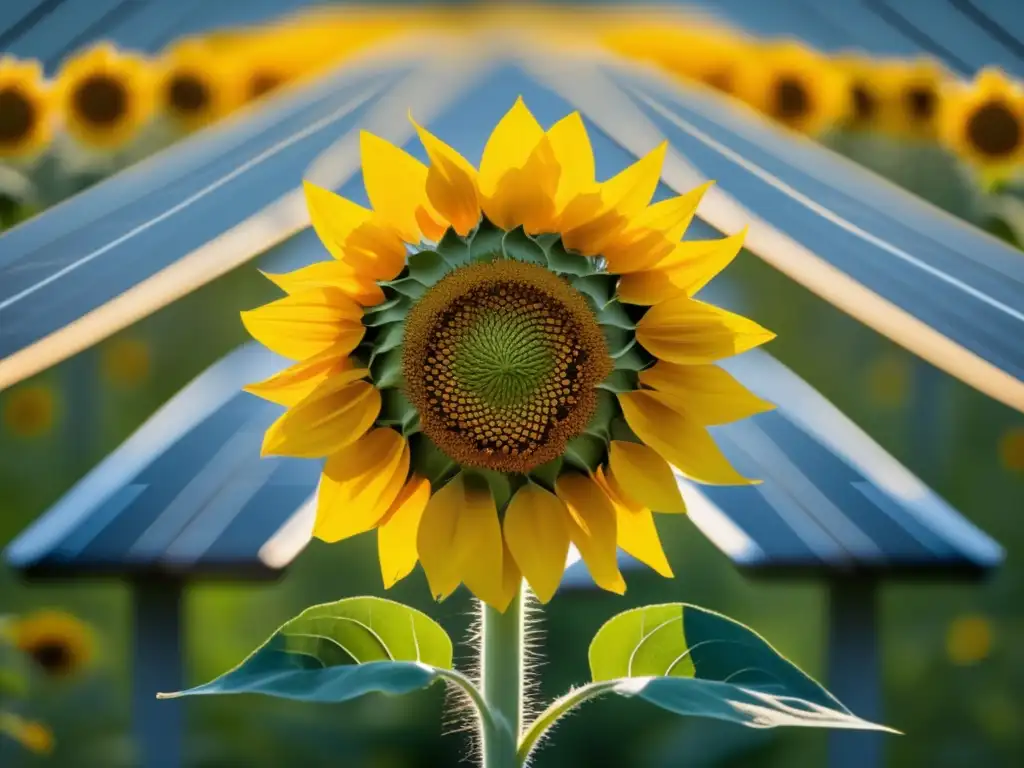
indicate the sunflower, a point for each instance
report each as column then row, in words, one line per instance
column 126, row 362
column 794, row 85
column 30, row 410
column 914, row 93
column 106, row 96
column 983, row 123
column 866, row 101
column 197, row 84
column 32, row 735
column 499, row 362
column 26, row 109
column 59, row 643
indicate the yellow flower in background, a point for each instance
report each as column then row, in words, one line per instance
column 914, row 91
column 866, row 102
column 32, row 735
column 793, row 85
column 983, row 123
column 197, row 84
column 526, row 378
column 969, row 640
column 888, row 380
column 1011, row 449
column 60, row 644
column 107, row 96
column 126, row 362
column 29, row 410
column 26, row 109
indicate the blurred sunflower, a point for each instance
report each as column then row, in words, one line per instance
column 60, row 644
column 106, row 96
column 1011, row 449
column 32, row 735
column 197, row 84
column 794, row 85
column 29, row 410
column 968, row 639
column 126, row 362
column 914, row 91
column 983, row 123
column 867, row 98
column 26, row 109
column 497, row 363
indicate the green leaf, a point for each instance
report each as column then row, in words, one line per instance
column 339, row 651
column 430, row 461
column 692, row 661
column 606, row 409
column 390, row 336
column 427, row 267
column 614, row 314
column 395, row 408
column 516, row 244
column 620, row 381
column 409, row 286
column 453, row 248
column 560, row 260
column 619, row 340
column 485, row 244
column 635, row 358
column 598, row 287
column 386, row 369
column 391, row 311
column 546, row 474
column 585, row 451
column 621, row 431
column 498, row 483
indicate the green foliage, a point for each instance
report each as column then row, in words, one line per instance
column 340, row 651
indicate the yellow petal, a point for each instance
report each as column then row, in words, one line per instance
column 396, row 184
column 710, row 394
column 359, row 484
column 589, row 224
column 526, row 196
column 459, row 540
column 451, row 183
column 510, row 144
column 396, row 536
column 307, row 323
column 635, row 249
column 680, row 440
column 511, row 579
column 638, row 536
column 295, row 382
column 615, row 494
column 354, row 235
column 575, row 159
column 332, row 416
column 644, row 477
column 672, row 217
column 686, row 331
column 645, row 288
column 330, row 274
column 591, row 521
column 538, row 538
column 632, row 189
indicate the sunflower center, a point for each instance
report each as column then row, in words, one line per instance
column 17, row 115
column 187, row 93
column 52, row 656
column 864, row 104
column 994, row 130
column 263, row 83
column 101, row 100
column 921, row 102
column 501, row 360
column 791, row 98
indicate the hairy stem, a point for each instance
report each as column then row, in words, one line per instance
column 557, row 708
column 502, row 668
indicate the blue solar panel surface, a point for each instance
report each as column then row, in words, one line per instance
column 199, row 498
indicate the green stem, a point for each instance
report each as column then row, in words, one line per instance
column 502, row 666
column 558, row 707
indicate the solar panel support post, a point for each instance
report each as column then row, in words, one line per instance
column 854, row 669
column 158, row 606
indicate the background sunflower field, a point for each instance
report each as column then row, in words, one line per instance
column 953, row 656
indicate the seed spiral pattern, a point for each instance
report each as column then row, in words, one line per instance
column 501, row 360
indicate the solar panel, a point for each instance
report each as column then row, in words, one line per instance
column 833, row 501
column 128, row 246
column 186, row 493
column 945, row 290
